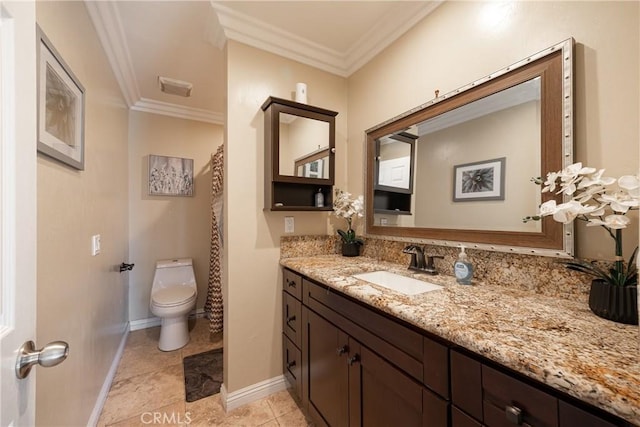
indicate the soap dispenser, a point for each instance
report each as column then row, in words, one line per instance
column 463, row 268
column 319, row 198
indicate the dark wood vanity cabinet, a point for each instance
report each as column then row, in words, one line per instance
column 352, row 365
column 362, row 368
column 299, row 155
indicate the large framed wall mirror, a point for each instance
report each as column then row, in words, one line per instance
column 470, row 157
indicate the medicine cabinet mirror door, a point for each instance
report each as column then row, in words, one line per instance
column 476, row 150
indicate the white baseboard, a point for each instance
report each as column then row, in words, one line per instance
column 236, row 399
column 151, row 322
column 136, row 325
column 104, row 391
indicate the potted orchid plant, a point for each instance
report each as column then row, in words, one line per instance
column 595, row 199
column 346, row 207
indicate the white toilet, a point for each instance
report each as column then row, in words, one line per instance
column 173, row 296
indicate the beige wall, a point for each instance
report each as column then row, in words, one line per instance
column 252, row 311
column 436, row 54
column 163, row 227
column 82, row 299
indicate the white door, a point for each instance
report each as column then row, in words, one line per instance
column 17, row 206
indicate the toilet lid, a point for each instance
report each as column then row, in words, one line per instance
column 173, row 295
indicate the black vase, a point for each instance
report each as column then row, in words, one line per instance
column 350, row 249
column 617, row 303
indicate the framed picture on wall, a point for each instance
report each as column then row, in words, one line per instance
column 170, row 176
column 479, row 181
column 61, row 103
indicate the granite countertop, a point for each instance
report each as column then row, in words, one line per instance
column 556, row 341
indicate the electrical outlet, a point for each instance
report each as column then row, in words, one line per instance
column 289, row 224
column 95, row 245
column 383, row 221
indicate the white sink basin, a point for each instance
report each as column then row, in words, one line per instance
column 398, row 283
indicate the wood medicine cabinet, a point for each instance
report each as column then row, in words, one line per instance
column 299, row 155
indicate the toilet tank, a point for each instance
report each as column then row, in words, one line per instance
column 174, row 272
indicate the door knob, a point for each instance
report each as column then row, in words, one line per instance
column 49, row 355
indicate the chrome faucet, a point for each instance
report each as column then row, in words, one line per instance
column 418, row 261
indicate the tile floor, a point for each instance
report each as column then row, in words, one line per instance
column 148, row 389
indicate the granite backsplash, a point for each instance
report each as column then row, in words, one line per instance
column 543, row 275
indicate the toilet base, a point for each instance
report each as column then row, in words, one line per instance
column 174, row 333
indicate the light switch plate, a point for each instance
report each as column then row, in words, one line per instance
column 289, row 224
column 95, row 245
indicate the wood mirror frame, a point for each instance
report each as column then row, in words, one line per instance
column 555, row 67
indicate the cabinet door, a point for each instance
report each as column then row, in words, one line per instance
column 388, row 397
column 328, row 371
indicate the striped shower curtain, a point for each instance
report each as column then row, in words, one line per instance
column 213, row 305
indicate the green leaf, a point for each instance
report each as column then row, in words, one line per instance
column 627, row 276
column 349, row 236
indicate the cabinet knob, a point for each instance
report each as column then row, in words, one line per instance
column 353, row 359
column 291, row 283
column 342, row 350
column 291, row 318
column 513, row 414
column 291, row 364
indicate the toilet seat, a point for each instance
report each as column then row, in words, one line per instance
column 173, row 296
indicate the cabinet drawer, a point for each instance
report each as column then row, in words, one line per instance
column 292, row 364
column 292, row 283
column 292, row 318
column 508, row 401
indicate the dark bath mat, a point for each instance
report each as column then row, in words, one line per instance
column 202, row 374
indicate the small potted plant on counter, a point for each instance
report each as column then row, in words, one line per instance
column 346, row 207
column 595, row 200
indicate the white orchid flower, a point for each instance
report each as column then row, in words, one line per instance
column 599, row 211
column 596, row 179
column 589, row 193
column 550, row 183
column 567, row 212
column 619, row 201
column 631, row 184
column 548, row 208
column 614, row 222
column 571, row 170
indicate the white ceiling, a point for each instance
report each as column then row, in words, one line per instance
column 183, row 40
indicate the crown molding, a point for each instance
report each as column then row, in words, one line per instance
column 380, row 36
column 253, row 32
column 106, row 20
column 167, row 109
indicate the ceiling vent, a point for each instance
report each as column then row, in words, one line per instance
column 175, row 87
